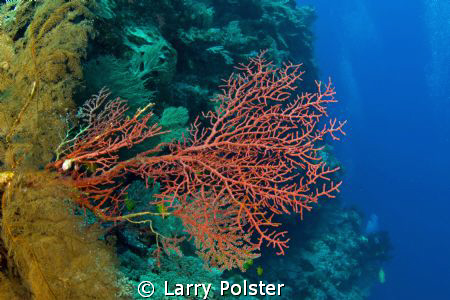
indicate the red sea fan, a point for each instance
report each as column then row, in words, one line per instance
column 258, row 158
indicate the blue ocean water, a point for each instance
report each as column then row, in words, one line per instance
column 390, row 64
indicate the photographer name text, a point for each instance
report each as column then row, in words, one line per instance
column 203, row 290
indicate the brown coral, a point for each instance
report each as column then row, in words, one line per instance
column 50, row 255
column 40, row 70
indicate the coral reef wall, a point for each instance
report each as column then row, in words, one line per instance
column 174, row 53
column 181, row 50
column 41, row 47
column 46, row 251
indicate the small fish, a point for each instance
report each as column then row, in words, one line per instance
column 259, row 271
column 129, row 203
column 162, row 209
column 248, row 264
column 381, row 276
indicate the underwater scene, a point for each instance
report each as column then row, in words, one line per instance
column 224, row 149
